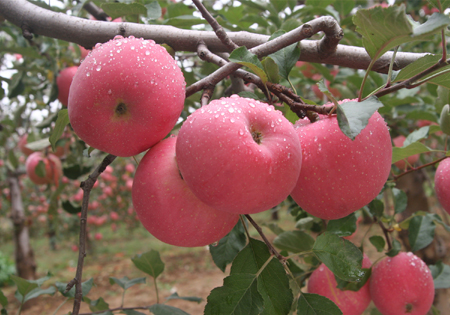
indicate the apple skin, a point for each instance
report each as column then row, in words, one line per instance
column 398, row 142
column 126, row 96
column 402, row 285
column 323, row 282
column 166, row 206
column 442, row 184
column 63, row 81
column 226, row 168
column 53, row 168
column 338, row 175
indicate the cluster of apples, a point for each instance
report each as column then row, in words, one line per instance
column 398, row 285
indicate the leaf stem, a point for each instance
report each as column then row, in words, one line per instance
column 156, row 289
column 60, row 305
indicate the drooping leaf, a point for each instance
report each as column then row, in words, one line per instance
column 315, row 304
column 376, row 207
column 343, row 227
column 61, row 122
column 24, row 286
column 354, row 286
column 126, row 283
column 153, row 10
column 175, row 296
column 342, row 257
column 421, row 232
column 149, row 262
column 353, row 117
column 75, row 171
column 98, row 305
column 163, row 309
column 294, row 241
column 38, row 145
column 3, row 299
column 246, row 58
column 271, row 69
column 378, row 241
column 273, row 283
column 229, row 246
column 416, row 135
column 70, row 208
column 238, row 296
column 405, row 152
column 400, row 200
column 441, row 275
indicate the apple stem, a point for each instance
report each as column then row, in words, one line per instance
column 207, row 95
column 269, row 245
column 385, row 232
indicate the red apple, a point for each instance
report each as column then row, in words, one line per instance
column 323, row 282
column 98, row 236
column 338, row 175
column 22, row 145
column 306, row 68
column 52, row 166
column 398, row 142
column 442, row 184
column 166, row 206
column 126, row 96
column 63, row 81
column 402, row 285
column 334, row 91
column 239, row 155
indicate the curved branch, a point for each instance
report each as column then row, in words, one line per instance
column 87, row 33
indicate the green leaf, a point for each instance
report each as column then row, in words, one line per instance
column 273, row 283
column 24, row 286
column 271, row 69
column 342, row 257
column 153, row 10
column 70, row 208
column 396, row 248
column 40, row 169
column 238, row 296
column 378, row 241
column 294, row 241
column 175, row 296
column 315, row 304
column 75, row 171
column 376, row 207
column 61, row 122
column 12, row 159
column 354, row 286
column 417, row 67
column 38, row 145
column 405, row 152
column 304, row 223
column 385, row 28
column 131, row 312
column 400, row 200
column 97, row 305
column 3, row 299
column 322, row 4
column 115, row 10
column 162, row 309
column 126, row 283
column 229, row 246
column 353, row 117
column 441, row 275
column 343, row 227
column 149, row 262
column 246, row 58
column 38, row 292
column 344, row 7
column 285, row 58
column 86, row 286
column 421, row 232
column 416, row 135
column 444, row 120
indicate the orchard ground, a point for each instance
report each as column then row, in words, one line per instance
column 188, row 271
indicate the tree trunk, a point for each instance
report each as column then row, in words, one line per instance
column 24, row 255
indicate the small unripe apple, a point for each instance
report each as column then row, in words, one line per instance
column 442, row 184
column 63, row 81
column 167, row 207
column 398, row 142
column 402, row 285
column 323, row 282
column 52, row 170
column 126, row 96
column 239, row 155
column 338, row 175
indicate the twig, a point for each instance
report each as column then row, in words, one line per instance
column 220, row 32
column 385, row 232
column 418, row 168
column 206, row 96
column 269, row 245
column 87, row 186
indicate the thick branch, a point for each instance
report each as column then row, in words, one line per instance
column 87, row 33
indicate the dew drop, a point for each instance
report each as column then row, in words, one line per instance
column 109, row 92
column 147, row 52
column 118, row 37
column 119, row 43
column 88, row 74
column 232, row 120
column 231, row 110
column 97, row 45
column 98, row 68
column 132, row 47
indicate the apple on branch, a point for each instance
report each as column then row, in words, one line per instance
column 442, row 184
column 126, row 96
column 239, row 155
column 50, row 170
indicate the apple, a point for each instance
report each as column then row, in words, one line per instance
column 126, row 96
column 239, row 155
column 306, row 68
column 398, row 142
column 22, row 145
column 338, row 175
column 52, row 170
column 442, row 184
column 319, row 94
column 63, row 81
column 323, row 282
column 402, row 285
column 98, row 236
column 166, row 206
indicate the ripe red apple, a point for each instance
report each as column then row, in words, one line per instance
column 166, row 206
column 402, row 285
column 63, row 81
column 22, row 145
column 398, row 142
column 239, row 155
column 323, row 282
column 126, row 96
column 442, row 184
column 338, row 175
column 53, row 168
column 98, row 236
column 306, row 68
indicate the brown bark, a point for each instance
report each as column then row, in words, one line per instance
column 24, row 255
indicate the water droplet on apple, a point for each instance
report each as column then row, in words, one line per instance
column 88, row 74
column 119, row 43
column 118, row 37
column 231, row 110
column 232, row 120
column 98, row 68
column 147, row 52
